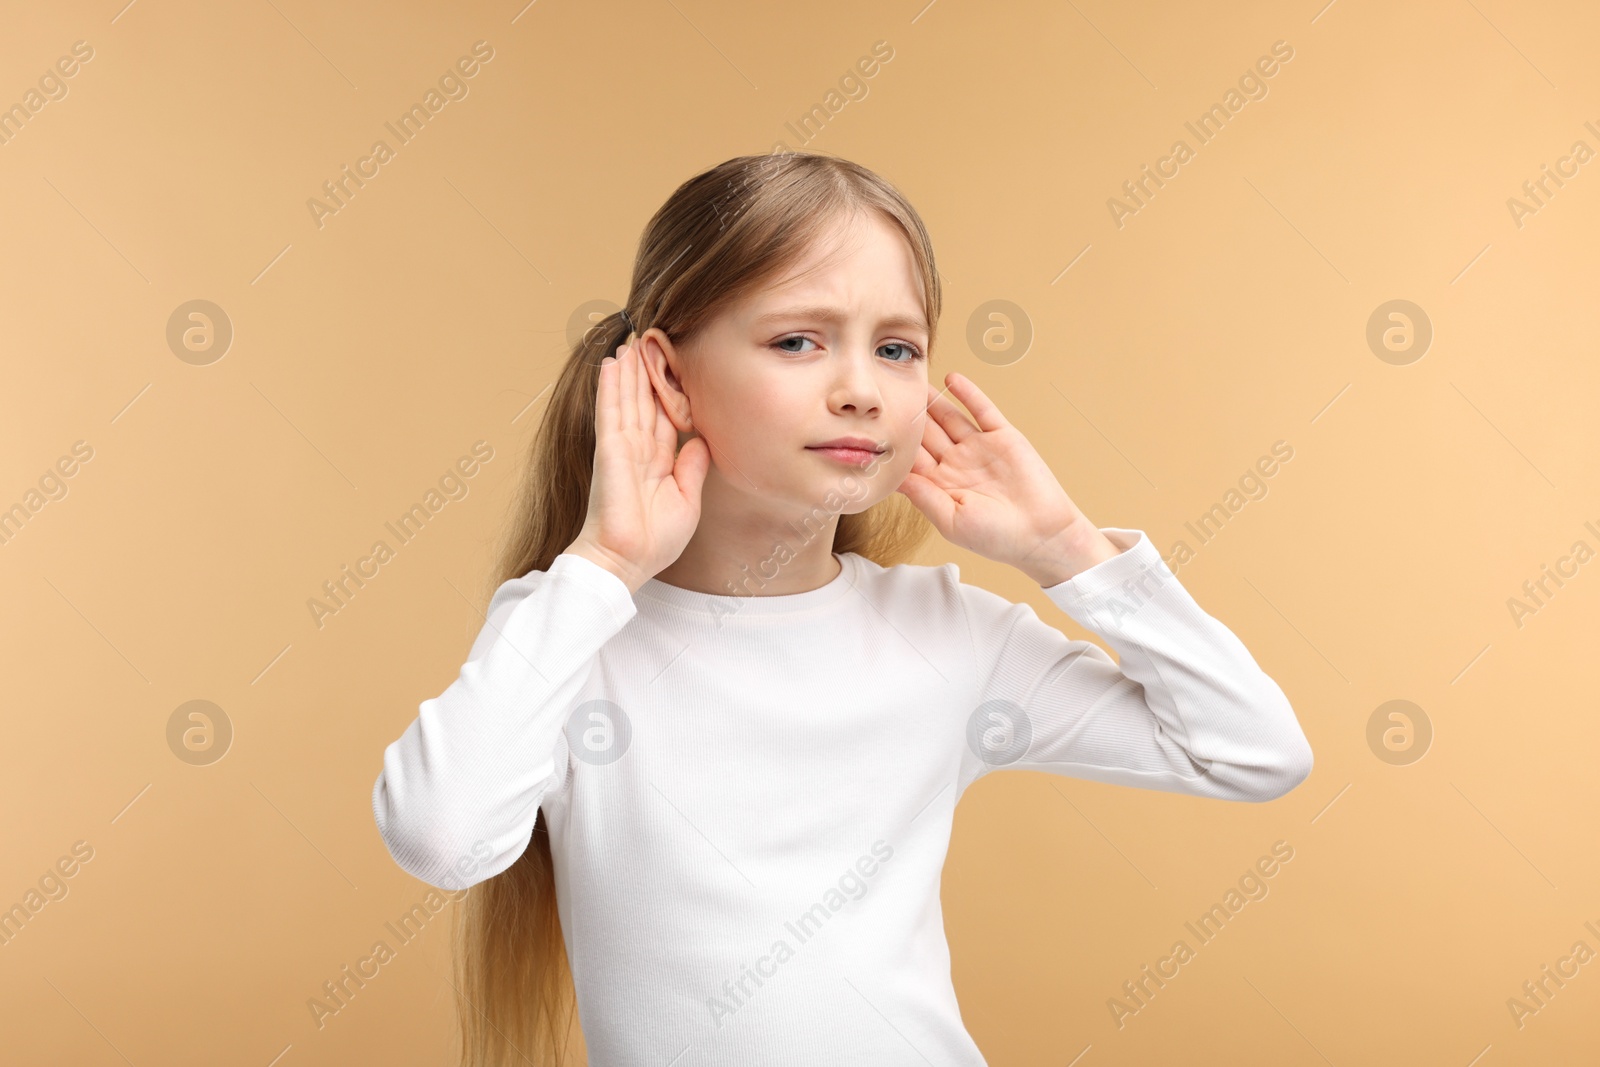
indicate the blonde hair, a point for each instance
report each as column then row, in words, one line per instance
column 722, row 234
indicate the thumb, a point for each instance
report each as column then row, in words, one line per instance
column 690, row 468
column 929, row 499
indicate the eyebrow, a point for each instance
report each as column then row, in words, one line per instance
column 833, row 314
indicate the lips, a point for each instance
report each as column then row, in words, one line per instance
column 864, row 444
column 855, row 451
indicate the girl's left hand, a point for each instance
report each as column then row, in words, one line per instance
column 985, row 488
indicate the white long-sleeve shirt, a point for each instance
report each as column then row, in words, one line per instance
column 749, row 799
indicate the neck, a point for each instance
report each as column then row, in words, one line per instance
column 741, row 549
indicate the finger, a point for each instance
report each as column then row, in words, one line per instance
column 934, row 440
column 644, row 394
column 982, row 408
column 690, row 467
column 951, row 419
column 605, row 400
column 929, row 499
column 627, row 395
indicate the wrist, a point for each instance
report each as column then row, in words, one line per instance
column 625, row 572
column 1069, row 553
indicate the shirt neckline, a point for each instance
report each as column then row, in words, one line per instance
column 722, row 606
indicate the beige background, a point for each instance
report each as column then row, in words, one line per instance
column 430, row 312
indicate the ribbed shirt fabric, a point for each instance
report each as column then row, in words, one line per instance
column 749, row 799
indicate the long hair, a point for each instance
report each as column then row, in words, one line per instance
column 722, row 234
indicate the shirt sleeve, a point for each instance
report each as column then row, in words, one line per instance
column 459, row 791
column 1187, row 711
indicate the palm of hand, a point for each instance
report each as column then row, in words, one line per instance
column 983, row 485
column 644, row 501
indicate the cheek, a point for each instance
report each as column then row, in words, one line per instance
column 910, row 418
column 752, row 416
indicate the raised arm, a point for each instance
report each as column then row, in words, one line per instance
column 459, row 791
column 1187, row 711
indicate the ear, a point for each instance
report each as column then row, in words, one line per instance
column 663, row 362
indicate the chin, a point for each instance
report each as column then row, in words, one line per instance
column 812, row 500
column 853, row 492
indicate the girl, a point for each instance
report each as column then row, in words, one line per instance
column 701, row 764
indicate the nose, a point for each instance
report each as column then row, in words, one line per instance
column 855, row 387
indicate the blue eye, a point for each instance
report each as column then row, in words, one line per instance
column 915, row 352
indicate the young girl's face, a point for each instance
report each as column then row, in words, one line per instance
column 833, row 350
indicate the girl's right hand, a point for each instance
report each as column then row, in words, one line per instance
column 644, row 495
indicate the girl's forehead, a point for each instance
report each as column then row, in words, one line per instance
column 852, row 269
